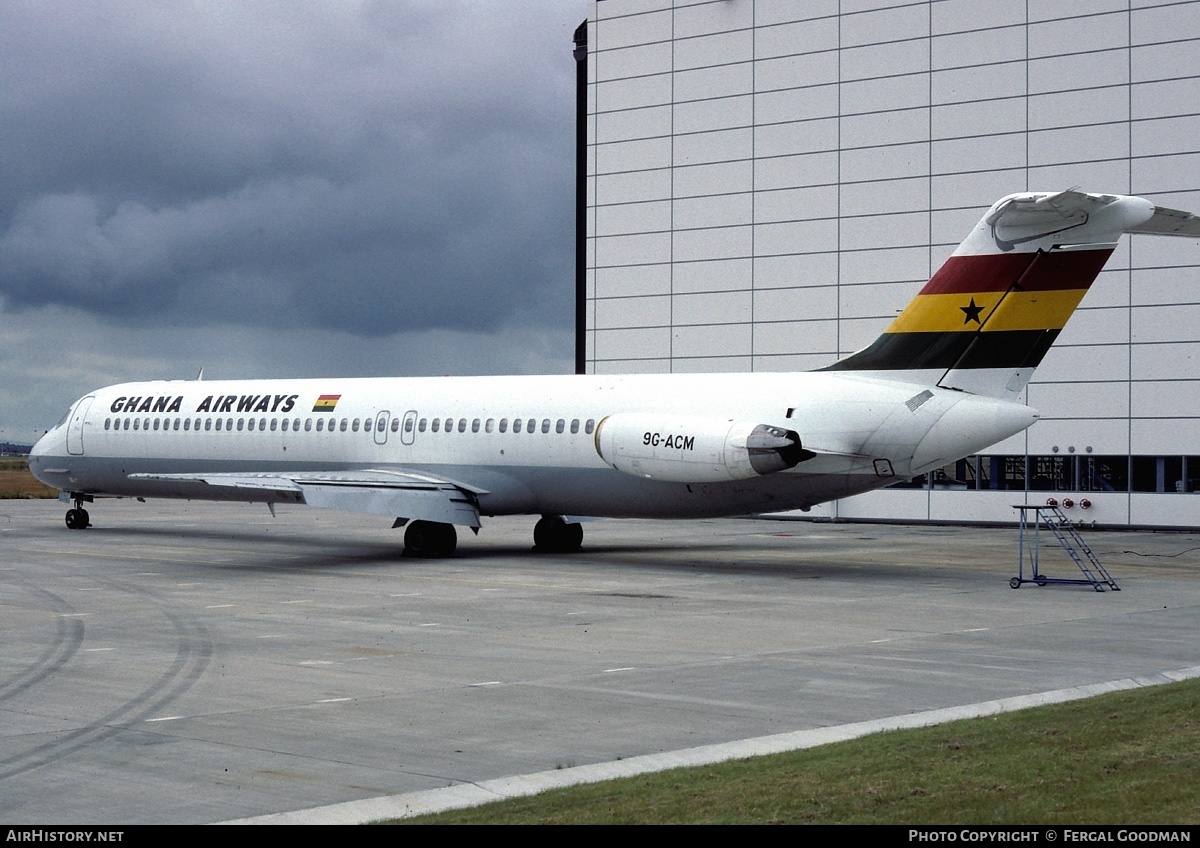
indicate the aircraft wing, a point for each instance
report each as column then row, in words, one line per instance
column 404, row 494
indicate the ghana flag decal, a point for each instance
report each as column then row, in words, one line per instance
column 326, row 403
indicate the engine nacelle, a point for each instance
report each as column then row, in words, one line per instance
column 695, row 449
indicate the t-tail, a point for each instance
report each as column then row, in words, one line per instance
column 990, row 313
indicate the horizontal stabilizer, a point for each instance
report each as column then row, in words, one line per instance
column 1170, row 222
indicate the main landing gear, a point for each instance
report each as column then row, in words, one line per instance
column 430, row 539
column 552, row 534
column 77, row 518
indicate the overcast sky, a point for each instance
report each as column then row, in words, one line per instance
column 281, row 189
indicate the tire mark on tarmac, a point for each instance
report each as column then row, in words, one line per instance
column 68, row 636
column 193, row 653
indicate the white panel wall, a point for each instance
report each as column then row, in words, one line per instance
column 770, row 181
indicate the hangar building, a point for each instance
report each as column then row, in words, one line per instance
column 768, row 182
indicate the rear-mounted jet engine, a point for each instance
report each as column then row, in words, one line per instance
column 696, row 449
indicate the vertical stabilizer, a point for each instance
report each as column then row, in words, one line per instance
column 990, row 313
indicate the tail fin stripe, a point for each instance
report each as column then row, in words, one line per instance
column 974, row 274
column 1068, row 269
column 1020, row 310
column 915, row 351
column 1001, row 350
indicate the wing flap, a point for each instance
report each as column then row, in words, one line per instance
column 402, row 494
column 448, row 504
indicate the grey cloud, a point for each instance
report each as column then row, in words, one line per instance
column 364, row 167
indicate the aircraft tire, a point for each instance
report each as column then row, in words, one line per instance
column 447, row 540
column 430, row 539
column 554, row 535
column 77, row 519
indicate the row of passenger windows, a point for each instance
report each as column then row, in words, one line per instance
column 448, row 425
column 434, row 425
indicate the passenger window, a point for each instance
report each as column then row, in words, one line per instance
column 531, row 425
column 462, row 425
column 155, row 423
column 408, row 425
column 516, row 425
column 560, row 425
column 249, row 424
column 207, row 423
column 229, row 423
column 366, row 425
column 187, row 424
column 345, row 423
column 218, row 423
column 574, row 425
column 487, row 428
column 262, row 424
column 590, row 426
column 545, row 425
column 107, row 423
column 241, row 422
column 275, row 424
column 137, row 423
column 353, row 426
column 475, row 426
column 437, row 425
column 176, row 427
column 503, row 425
column 320, row 425
column 421, row 426
column 307, row 424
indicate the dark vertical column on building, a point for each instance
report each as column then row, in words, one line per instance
column 581, row 81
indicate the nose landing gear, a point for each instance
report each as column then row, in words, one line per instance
column 78, row 518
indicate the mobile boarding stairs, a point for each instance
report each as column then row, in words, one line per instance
column 1052, row 518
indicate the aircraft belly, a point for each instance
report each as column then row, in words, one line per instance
column 508, row 490
column 605, row 493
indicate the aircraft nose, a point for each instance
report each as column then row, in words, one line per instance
column 44, row 446
column 39, row 454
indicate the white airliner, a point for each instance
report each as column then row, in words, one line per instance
column 941, row 383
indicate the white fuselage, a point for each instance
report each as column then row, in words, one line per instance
column 125, row 440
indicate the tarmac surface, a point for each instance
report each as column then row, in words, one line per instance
column 192, row 663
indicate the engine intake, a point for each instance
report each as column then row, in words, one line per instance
column 696, row 449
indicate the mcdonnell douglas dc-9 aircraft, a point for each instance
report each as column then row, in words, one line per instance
column 941, row 383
